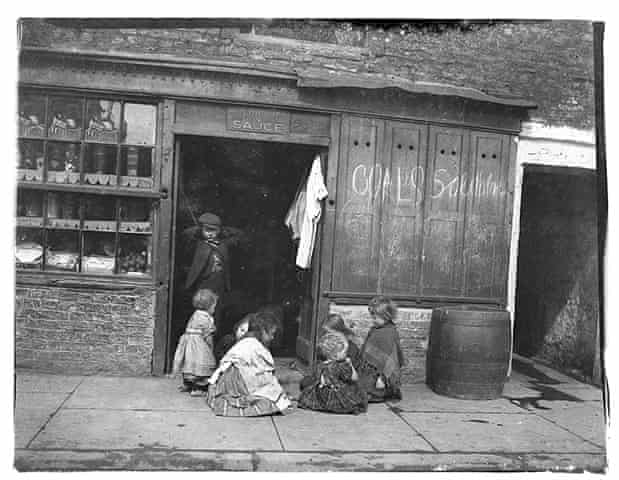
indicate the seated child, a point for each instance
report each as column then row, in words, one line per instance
column 225, row 343
column 194, row 353
column 334, row 387
column 244, row 384
column 381, row 355
column 335, row 323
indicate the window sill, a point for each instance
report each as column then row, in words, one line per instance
column 81, row 281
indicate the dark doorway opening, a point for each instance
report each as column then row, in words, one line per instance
column 250, row 185
column 557, row 296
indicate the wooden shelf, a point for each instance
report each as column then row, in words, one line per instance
column 91, row 189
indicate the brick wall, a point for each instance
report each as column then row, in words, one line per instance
column 77, row 331
column 550, row 63
column 413, row 326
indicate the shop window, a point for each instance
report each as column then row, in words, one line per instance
column 32, row 116
column 30, row 162
column 86, row 188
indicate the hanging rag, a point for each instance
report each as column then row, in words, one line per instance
column 305, row 212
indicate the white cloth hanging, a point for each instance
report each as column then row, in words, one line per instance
column 305, row 212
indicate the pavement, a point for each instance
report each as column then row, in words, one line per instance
column 545, row 421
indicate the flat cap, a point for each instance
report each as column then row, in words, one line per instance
column 209, row 219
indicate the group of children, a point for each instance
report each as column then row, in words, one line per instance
column 238, row 374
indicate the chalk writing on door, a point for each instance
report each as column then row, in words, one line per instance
column 407, row 184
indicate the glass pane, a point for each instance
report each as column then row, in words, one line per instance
column 63, row 162
column 100, row 165
column 140, row 123
column 135, row 215
column 135, row 255
column 62, row 250
column 29, row 208
column 99, row 253
column 103, row 121
column 31, row 115
column 65, row 118
column 30, row 161
column 100, row 213
column 28, row 248
column 136, row 167
column 63, row 211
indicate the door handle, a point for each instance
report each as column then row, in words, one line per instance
column 164, row 193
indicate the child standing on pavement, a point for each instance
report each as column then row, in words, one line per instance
column 381, row 354
column 194, row 354
column 334, row 385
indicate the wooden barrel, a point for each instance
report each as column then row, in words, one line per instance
column 468, row 352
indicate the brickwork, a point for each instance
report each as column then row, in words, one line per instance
column 77, row 331
column 413, row 326
column 550, row 63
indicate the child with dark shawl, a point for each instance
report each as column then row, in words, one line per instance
column 381, row 354
column 334, row 387
column 244, row 384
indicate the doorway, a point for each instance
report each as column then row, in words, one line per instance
column 557, row 297
column 250, row 185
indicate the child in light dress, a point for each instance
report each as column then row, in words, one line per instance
column 194, row 357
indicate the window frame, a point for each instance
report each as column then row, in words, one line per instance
column 119, row 194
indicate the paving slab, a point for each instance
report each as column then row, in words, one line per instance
column 156, row 459
column 121, row 429
column 516, row 388
column 27, row 425
column 41, row 382
column 45, row 401
column 420, row 398
column 377, row 430
column 583, row 392
column 134, row 394
column 32, row 411
column 585, row 419
column 495, row 432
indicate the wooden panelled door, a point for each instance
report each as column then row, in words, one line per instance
column 444, row 212
column 421, row 212
column 358, row 203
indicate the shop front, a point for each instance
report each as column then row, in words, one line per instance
column 119, row 156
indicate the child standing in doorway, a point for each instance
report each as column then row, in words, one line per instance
column 381, row 354
column 194, row 354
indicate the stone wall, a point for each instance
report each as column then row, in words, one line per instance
column 550, row 63
column 66, row 330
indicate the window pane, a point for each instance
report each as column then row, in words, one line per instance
column 140, row 124
column 28, row 248
column 63, row 162
column 135, row 255
column 135, row 215
column 100, row 213
column 65, row 118
column 63, row 211
column 103, row 121
column 62, row 250
column 31, row 115
column 136, row 167
column 100, row 165
column 29, row 208
column 99, row 253
column 30, row 161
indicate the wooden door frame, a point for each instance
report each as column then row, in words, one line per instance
column 320, row 305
